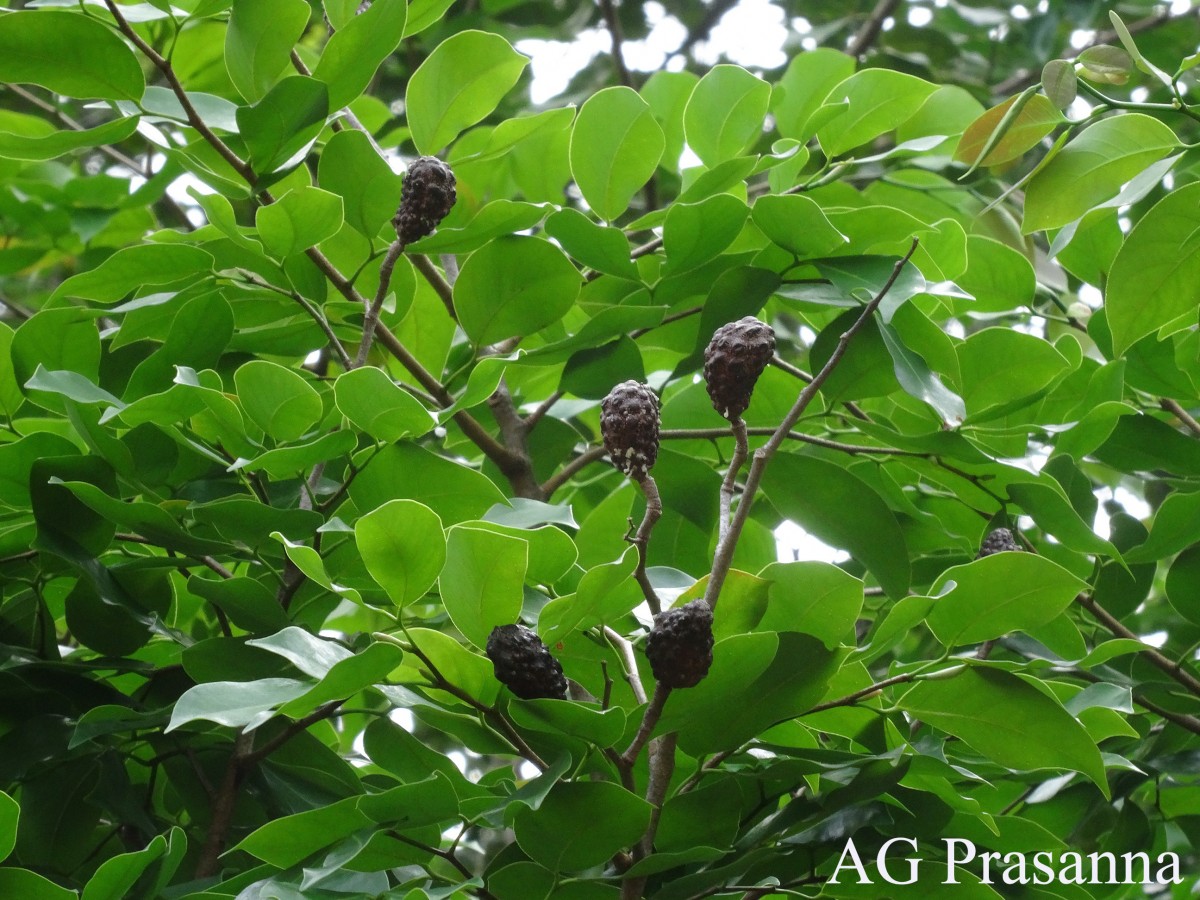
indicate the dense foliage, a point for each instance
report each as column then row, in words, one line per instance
column 270, row 478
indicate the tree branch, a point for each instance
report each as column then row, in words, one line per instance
column 616, row 34
column 723, row 558
column 441, row 286
column 1148, row 653
column 371, row 319
column 649, row 720
column 641, row 540
column 869, row 32
column 741, row 450
column 1173, row 407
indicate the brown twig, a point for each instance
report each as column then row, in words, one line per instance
column 371, row 319
column 616, row 33
column 1173, row 407
column 514, row 433
column 1148, row 653
column 723, row 558
column 440, row 285
column 641, row 539
column 869, row 32
column 628, row 663
column 649, row 720
column 741, row 449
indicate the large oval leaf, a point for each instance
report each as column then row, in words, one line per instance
column 615, row 147
column 403, row 547
column 460, row 83
column 724, row 116
column 35, row 44
column 514, row 286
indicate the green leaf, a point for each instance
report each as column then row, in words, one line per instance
column 403, row 547
column 279, row 129
column 605, row 593
column 1032, row 365
column 581, row 824
column 118, row 874
column 134, row 267
column 1004, row 592
column 1173, row 529
column 310, row 654
column 57, row 143
column 299, row 219
column 602, row 247
column 1092, row 167
column 604, row 728
column 1053, row 514
column 10, row 812
column 1023, row 130
column 288, row 840
column 878, row 101
column 798, row 225
column 743, row 603
column 1008, row 720
column 481, row 583
column 1060, row 83
column 294, row 461
column 460, row 83
column 404, row 471
column 804, row 87
column 812, row 598
column 693, row 233
column 259, row 39
column 369, row 189
column 309, row 562
column 373, row 402
column 514, row 286
column 237, row 704
column 843, row 511
column 277, row 399
column 1105, row 64
column 616, row 145
column 1153, row 277
column 347, row 677
column 36, row 45
column 724, row 116
column 30, row 886
column 358, row 48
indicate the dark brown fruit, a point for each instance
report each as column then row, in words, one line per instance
column 523, row 663
column 736, row 356
column 680, row 646
column 427, row 196
column 629, row 425
column 997, row 541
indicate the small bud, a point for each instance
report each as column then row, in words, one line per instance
column 737, row 354
column 427, row 196
column 629, row 426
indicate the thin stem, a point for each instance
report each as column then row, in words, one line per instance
column 1150, row 654
column 641, row 540
column 649, row 720
column 869, row 691
column 371, row 320
column 869, row 32
column 616, row 34
column 313, row 313
column 629, row 664
column 725, row 548
column 741, row 449
column 542, row 408
column 1173, row 407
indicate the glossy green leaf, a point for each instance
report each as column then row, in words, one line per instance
column 237, row 704
column 1060, row 83
column 514, row 286
column 260, row 36
column 309, row 562
column 1092, row 167
column 1155, row 271
column 812, row 598
column 581, row 824
column 117, row 875
column 458, row 84
column 34, row 44
column 357, row 49
column 602, row 247
column 843, row 511
column 53, row 144
column 798, row 225
column 693, row 233
column 878, row 100
column 298, row 220
column 1004, row 592
column 724, row 116
column 373, row 402
column 347, row 677
column 805, row 85
column 370, row 191
column 605, row 593
column 10, row 812
column 277, row 399
column 404, row 471
column 280, row 127
column 1008, row 720
column 403, row 547
column 29, row 885
column 481, row 584
column 134, row 267
column 312, row 655
column 616, row 145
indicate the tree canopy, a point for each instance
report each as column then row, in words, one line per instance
column 328, row 356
